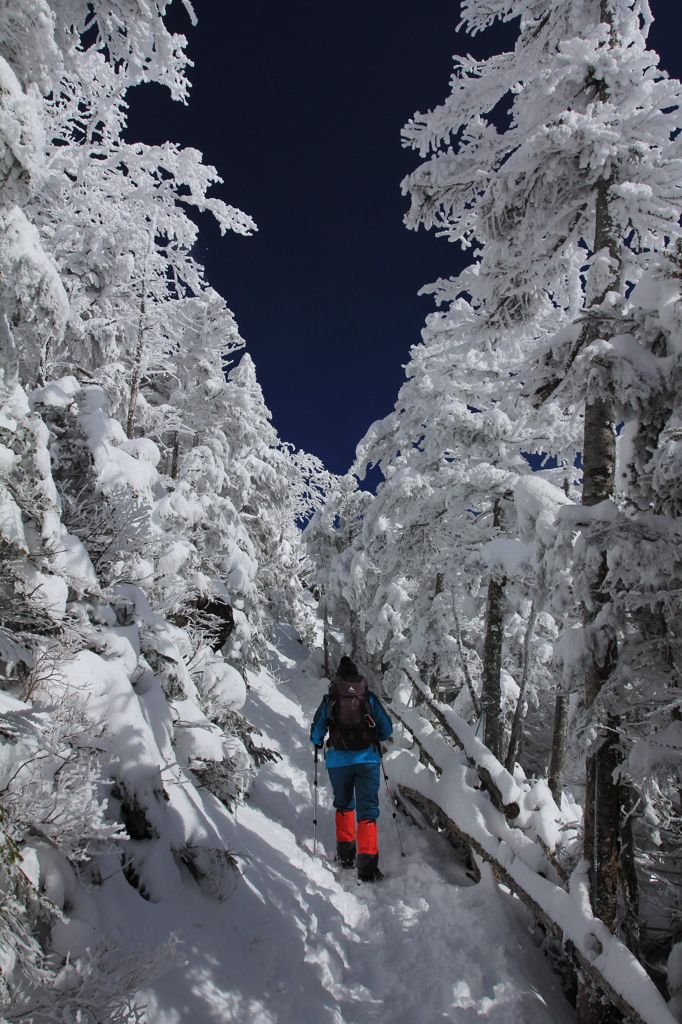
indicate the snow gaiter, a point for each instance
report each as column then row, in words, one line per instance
column 368, row 852
column 345, row 838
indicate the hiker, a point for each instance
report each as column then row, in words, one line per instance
column 357, row 724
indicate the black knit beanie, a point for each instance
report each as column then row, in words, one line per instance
column 347, row 669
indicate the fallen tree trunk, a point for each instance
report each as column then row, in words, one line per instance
column 425, row 756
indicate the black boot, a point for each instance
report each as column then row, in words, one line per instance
column 345, row 853
column 368, row 867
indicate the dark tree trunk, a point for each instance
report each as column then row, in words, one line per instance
column 44, row 360
column 491, row 696
column 602, row 826
column 592, row 1007
column 353, row 635
column 520, row 710
column 463, row 659
column 9, row 357
column 557, row 764
column 434, row 676
column 629, row 886
column 176, row 452
column 137, row 371
column 325, row 644
column 599, row 456
column 602, row 794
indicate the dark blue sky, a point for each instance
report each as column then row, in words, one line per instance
column 300, row 105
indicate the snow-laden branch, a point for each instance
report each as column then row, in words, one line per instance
column 437, row 752
column 494, row 775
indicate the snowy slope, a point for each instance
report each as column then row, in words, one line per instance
column 299, row 942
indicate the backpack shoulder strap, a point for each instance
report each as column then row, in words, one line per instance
column 370, row 710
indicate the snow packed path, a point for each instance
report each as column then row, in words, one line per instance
column 299, row 942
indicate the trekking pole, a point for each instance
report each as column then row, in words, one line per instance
column 315, row 816
column 393, row 803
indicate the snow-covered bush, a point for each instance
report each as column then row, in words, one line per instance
column 99, row 985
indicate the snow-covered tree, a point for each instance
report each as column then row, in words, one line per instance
column 111, row 216
column 268, row 486
column 448, row 588
column 330, row 539
column 569, row 203
column 147, row 511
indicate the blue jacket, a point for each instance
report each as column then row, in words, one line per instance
column 338, row 758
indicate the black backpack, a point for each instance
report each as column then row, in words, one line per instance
column 351, row 726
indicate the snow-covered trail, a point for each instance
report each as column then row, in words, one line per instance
column 299, row 942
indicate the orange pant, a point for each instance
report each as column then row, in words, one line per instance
column 367, row 838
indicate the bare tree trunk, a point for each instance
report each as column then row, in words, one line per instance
column 353, row 636
column 9, row 358
column 629, row 884
column 602, row 815
column 139, row 352
column 465, row 664
column 137, row 368
column 44, row 359
column 176, row 452
column 602, row 804
column 557, row 764
column 519, row 711
column 435, row 679
column 491, row 696
column 602, row 794
column 325, row 644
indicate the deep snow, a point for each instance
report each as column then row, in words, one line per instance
column 299, row 942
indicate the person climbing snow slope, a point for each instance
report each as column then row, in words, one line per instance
column 357, row 725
